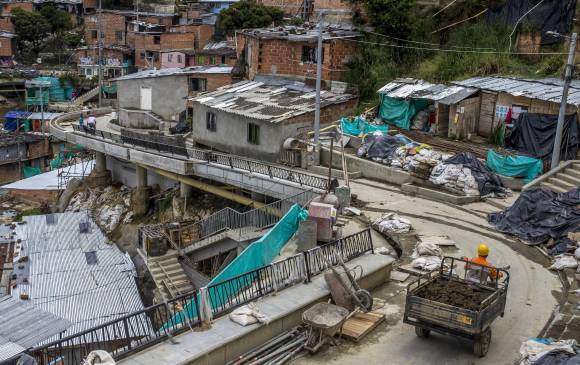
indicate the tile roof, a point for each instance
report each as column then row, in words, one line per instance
column 542, row 89
column 59, row 278
column 274, row 103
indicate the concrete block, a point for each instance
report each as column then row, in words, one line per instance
column 437, row 194
column 117, row 151
column 171, row 164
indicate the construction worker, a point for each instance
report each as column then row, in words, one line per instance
column 481, row 274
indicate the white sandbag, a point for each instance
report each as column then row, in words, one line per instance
column 427, row 263
column 426, row 249
column 393, row 223
column 533, row 349
column 99, row 357
column 564, row 262
column 248, row 314
column 577, row 253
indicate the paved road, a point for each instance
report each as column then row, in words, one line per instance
column 530, row 300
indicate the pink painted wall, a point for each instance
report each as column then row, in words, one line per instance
column 171, row 60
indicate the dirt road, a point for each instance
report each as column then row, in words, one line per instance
column 530, row 297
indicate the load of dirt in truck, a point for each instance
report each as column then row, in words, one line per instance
column 454, row 293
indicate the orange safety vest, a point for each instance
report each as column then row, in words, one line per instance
column 474, row 272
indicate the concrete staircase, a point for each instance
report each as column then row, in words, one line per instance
column 169, row 275
column 562, row 179
column 86, row 96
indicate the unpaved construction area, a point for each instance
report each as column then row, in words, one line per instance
column 532, row 296
column 454, row 293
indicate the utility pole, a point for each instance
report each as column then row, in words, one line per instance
column 41, row 109
column 318, row 81
column 562, row 115
column 100, row 54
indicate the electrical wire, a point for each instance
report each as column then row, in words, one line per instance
column 520, row 19
column 427, row 43
column 454, row 50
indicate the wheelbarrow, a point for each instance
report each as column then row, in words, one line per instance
column 323, row 321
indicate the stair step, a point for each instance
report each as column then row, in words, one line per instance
column 553, row 187
column 565, row 176
column 575, row 172
column 559, row 182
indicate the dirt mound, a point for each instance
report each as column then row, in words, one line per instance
column 454, row 293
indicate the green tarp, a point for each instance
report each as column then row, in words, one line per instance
column 260, row 253
column 28, row 171
column 400, row 112
column 360, row 126
column 515, row 166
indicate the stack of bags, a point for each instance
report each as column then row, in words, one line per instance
column 455, row 178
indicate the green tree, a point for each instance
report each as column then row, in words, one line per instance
column 248, row 14
column 59, row 20
column 391, row 17
column 31, row 28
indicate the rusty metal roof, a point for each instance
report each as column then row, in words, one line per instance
column 541, row 89
column 420, row 89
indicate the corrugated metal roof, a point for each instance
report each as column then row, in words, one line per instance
column 420, row 89
column 303, row 33
column 542, row 89
column 62, row 282
column 263, row 101
column 177, row 71
column 47, row 115
column 23, row 325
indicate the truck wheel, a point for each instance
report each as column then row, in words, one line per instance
column 482, row 343
column 365, row 298
column 422, row 332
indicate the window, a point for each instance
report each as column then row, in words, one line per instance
column 200, row 60
column 253, row 133
column 119, row 35
column 210, row 121
column 94, row 34
column 178, row 58
column 212, row 60
column 88, row 72
column 170, row 57
column 309, row 54
column 198, row 84
column 156, row 39
column 223, row 60
column 142, row 55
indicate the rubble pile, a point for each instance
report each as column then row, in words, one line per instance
column 111, row 206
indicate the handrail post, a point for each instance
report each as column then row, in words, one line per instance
column 307, row 262
column 127, row 335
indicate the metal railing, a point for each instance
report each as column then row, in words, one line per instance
column 142, row 329
column 223, row 159
column 120, row 337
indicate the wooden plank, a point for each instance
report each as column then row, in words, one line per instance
column 361, row 324
column 411, row 270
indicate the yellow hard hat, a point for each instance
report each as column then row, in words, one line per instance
column 483, row 250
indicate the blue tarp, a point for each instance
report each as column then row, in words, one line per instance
column 360, row 126
column 400, row 112
column 519, row 166
column 260, row 253
column 13, row 118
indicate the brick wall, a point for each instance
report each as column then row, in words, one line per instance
column 6, row 25
column 35, row 196
column 112, row 27
column 328, row 114
column 280, row 57
column 8, row 7
column 289, row 7
column 89, row 5
column 175, row 40
column 207, row 59
column 165, row 20
column 9, row 173
column 7, row 47
column 38, row 149
column 203, row 32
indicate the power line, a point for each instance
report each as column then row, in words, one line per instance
column 427, row 43
column 454, row 50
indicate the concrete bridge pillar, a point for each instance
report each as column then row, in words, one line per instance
column 100, row 176
column 185, row 191
column 141, row 196
column 141, row 176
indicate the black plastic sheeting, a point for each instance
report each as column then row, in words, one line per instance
column 551, row 15
column 538, row 215
column 534, row 135
column 558, row 357
column 381, row 145
column 488, row 183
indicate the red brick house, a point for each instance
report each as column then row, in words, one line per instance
column 291, row 51
column 7, row 49
column 214, row 53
